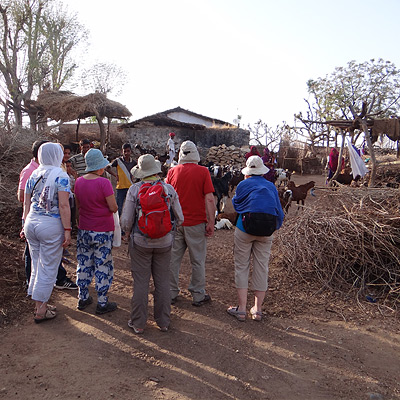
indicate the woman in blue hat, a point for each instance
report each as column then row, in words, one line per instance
column 96, row 203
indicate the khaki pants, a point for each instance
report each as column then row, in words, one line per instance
column 194, row 239
column 259, row 247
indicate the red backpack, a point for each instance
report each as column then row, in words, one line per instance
column 155, row 218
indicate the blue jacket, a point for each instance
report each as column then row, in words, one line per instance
column 256, row 194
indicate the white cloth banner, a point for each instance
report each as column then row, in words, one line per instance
column 357, row 164
column 117, row 231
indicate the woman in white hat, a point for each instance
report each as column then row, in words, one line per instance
column 95, row 200
column 150, row 253
column 260, row 213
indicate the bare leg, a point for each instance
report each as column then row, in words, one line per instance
column 40, row 308
column 242, row 295
column 258, row 299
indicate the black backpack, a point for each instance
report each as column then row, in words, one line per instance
column 259, row 224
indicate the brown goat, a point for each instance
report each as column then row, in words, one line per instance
column 299, row 193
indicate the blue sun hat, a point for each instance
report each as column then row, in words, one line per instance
column 95, row 160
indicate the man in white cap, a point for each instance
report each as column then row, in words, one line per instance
column 170, row 149
column 193, row 184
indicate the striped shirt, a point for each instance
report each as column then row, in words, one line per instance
column 78, row 163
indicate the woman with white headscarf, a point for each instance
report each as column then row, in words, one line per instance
column 47, row 225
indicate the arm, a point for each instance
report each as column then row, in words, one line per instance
column 129, row 211
column 27, row 206
column 65, row 213
column 110, row 171
column 210, row 212
column 20, row 195
column 112, row 203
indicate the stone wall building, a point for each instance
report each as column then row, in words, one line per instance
column 152, row 132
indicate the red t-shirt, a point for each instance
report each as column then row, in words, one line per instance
column 192, row 182
column 94, row 214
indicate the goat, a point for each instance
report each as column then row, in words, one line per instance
column 285, row 197
column 162, row 158
column 235, row 180
column 346, row 177
column 282, row 176
column 221, row 189
column 223, row 223
column 143, row 150
column 231, row 216
column 299, row 193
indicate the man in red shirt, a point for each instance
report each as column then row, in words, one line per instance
column 193, row 184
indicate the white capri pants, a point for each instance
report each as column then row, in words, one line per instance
column 246, row 246
column 45, row 235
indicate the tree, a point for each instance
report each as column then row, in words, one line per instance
column 104, row 78
column 376, row 82
column 264, row 135
column 36, row 40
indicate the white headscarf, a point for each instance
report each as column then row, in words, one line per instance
column 50, row 157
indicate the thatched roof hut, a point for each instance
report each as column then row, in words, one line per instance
column 65, row 106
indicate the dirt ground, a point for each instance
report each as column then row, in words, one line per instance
column 311, row 344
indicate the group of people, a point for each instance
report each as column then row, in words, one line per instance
column 183, row 205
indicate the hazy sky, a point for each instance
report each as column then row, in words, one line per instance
column 221, row 58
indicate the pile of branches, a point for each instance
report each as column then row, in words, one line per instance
column 349, row 239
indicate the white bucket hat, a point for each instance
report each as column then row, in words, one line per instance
column 255, row 166
column 95, row 160
column 147, row 166
column 188, row 153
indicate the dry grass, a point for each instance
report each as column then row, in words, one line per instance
column 349, row 239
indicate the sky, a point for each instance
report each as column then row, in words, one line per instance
column 224, row 58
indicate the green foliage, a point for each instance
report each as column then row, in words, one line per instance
column 376, row 82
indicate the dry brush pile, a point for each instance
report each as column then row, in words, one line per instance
column 349, row 239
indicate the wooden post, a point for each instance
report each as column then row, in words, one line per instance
column 339, row 165
column 371, row 182
column 77, row 131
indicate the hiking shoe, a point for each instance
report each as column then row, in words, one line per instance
column 207, row 299
column 82, row 304
column 138, row 331
column 110, row 306
column 66, row 284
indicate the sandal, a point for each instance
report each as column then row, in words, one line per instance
column 234, row 311
column 51, row 308
column 255, row 315
column 138, row 331
column 46, row 316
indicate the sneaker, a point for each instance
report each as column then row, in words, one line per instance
column 66, row 284
column 138, row 331
column 207, row 299
column 110, row 306
column 82, row 304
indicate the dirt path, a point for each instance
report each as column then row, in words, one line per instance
column 308, row 346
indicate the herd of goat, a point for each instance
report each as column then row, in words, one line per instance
column 225, row 179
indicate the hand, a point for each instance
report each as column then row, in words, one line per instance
column 67, row 239
column 209, row 229
column 22, row 234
